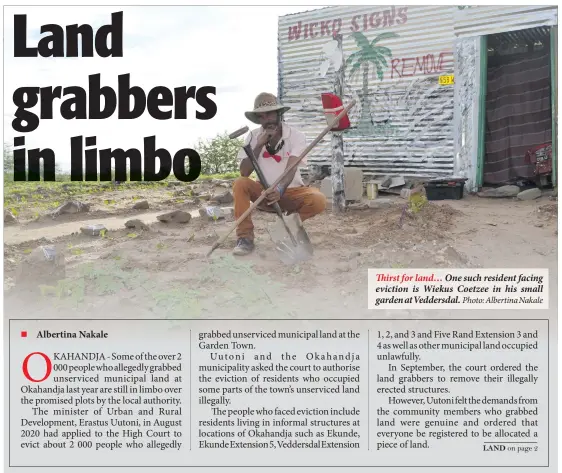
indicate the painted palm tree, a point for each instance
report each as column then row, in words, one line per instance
column 369, row 53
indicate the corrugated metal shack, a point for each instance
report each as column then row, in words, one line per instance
column 406, row 123
column 478, row 30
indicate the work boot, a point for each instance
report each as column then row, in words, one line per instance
column 244, row 246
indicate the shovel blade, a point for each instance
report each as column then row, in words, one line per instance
column 287, row 251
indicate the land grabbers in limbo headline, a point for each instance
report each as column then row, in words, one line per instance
column 81, row 105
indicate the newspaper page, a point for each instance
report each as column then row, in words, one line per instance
column 277, row 238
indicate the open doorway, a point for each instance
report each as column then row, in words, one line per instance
column 518, row 117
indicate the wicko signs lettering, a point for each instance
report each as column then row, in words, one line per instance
column 361, row 22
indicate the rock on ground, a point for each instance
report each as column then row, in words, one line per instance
column 504, row 191
column 93, row 230
column 142, row 205
column 358, row 206
column 215, row 213
column 176, row 216
column 44, row 265
column 9, row 217
column 205, row 197
column 530, row 194
column 136, row 224
column 450, row 256
column 71, row 207
column 379, row 203
column 224, row 198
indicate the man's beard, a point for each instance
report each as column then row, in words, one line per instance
column 272, row 126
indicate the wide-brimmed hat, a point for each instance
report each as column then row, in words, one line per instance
column 263, row 103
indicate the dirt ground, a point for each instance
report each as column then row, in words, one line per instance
column 162, row 271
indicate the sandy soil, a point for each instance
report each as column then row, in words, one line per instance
column 163, row 271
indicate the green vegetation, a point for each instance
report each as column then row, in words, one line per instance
column 226, row 282
column 219, row 155
column 417, row 202
column 218, row 161
column 44, row 197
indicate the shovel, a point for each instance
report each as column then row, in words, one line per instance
column 288, row 235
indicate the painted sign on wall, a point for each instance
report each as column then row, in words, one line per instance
column 359, row 22
column 390, row 62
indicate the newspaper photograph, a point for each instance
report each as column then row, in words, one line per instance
column 280, row 237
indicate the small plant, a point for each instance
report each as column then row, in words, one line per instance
column 72, row 290
column 416, row 202
column 48, row 290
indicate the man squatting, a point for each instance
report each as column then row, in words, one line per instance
column 277, row 146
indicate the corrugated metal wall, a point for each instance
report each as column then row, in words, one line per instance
column 405, row 127
column 471, row 21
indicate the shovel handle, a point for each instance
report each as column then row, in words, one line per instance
column 258, row 201
column 261, row 177
column 250, row 153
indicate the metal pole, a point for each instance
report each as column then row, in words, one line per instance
column 337, row 174
column 554, row 101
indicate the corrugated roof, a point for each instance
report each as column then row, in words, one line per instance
column 307, row 11
column 531, row 35
column 518, row 41
column 477, row 20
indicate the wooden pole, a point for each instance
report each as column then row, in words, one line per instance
column 337, row 171
column 280, row 178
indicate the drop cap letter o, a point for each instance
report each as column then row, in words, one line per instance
column 26, row 370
